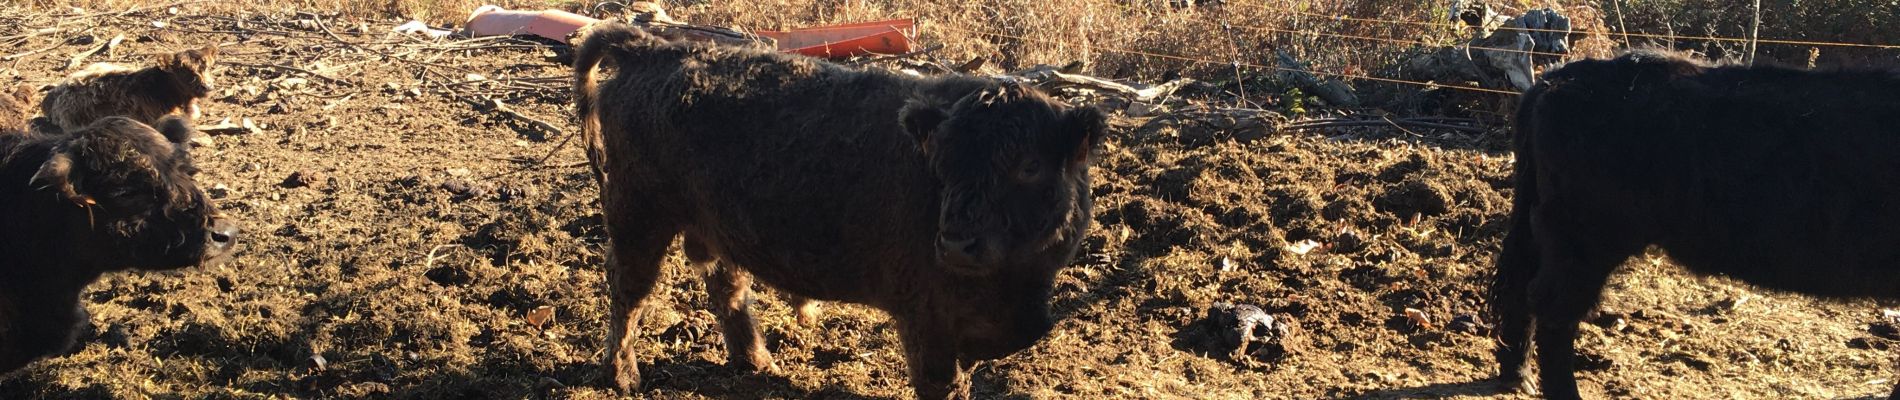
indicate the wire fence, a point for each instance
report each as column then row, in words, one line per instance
column 1356, row 37
column 1284, row 11
column 1221, row 63
column 1573, row 31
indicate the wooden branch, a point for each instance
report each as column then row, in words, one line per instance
column 1342, row 123
column 37, row 32
column 715, row 34
column 339, row 40
column 1162, row 90
column 81, row 57
column 503, row 108
column 497, row 106
column 972, row 65
column 1054, row 77
column 29, row 53
column 925, row 50
column 295, row 69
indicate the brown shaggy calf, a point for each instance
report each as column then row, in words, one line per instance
column 950, row 203
column 109, row 196
column 1786, row 179
column 104, row 90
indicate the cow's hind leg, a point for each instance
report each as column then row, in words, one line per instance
column 1577, row 258
column 638, row 241
column 730, row 289
column 1510, row 300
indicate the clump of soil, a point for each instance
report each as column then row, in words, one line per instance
column 1243, row 333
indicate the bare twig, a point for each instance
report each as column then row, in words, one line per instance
column 919, row 52
column 339, row 40
column 1396, row 125
column 497, row 106
column 36, row 32
column 78, row 18
column 429, row 260
column 1342, row 123
column 1625, row 29
column 81, row 57
column 497, row 46
column 1754, row 33
column 295, row 69
column 28, row 53
column 541, row 161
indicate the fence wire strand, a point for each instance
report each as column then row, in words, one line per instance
column 1370, row 38
column 1586, row 32
column 1224, row 24
column 1224, row 63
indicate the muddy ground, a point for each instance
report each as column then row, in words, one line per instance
column 402, row 235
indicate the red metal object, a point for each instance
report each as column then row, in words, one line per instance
column 847, row 40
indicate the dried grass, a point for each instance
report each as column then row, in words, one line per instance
column 1104, row 34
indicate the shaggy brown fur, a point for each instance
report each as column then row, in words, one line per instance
column 949, row 203
column 1782, row 178
column 16, row 106
column 109, row 196
column 144, row 95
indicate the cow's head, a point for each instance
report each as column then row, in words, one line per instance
column 1013, row 165
column 190, row 73
column 129, row 200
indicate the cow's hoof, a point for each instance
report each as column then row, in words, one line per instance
column 760, row 361
column 626, row 376
column 1512, row 382
column 808, row 313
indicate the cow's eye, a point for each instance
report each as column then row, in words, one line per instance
column 1029, row 171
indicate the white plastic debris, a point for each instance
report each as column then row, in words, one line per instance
column 492, row 20
column 417, row 27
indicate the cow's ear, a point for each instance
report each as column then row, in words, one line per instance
column 921, row 120
column 194, row 60
column 1083, row 129
column 56, row 174
column 171, row 63
column 207, row 55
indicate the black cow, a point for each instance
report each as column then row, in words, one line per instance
column 113, row 195
column 950, row 203
column 1786, row 179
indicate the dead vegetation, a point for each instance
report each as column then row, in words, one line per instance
column 422, row 231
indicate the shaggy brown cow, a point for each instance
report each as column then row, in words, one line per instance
column 949, row 203
column 109, row 196
column 1782, row 178
column 104, row 90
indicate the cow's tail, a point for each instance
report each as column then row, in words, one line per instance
column 1517, row 263
column 599, row 42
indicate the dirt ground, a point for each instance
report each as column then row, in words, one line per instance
column 402, row 235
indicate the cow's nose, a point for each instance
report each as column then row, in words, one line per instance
column 959, row 249
column 222, row 235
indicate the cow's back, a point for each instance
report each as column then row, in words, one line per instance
column 1783, row 178
column 778, row 162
